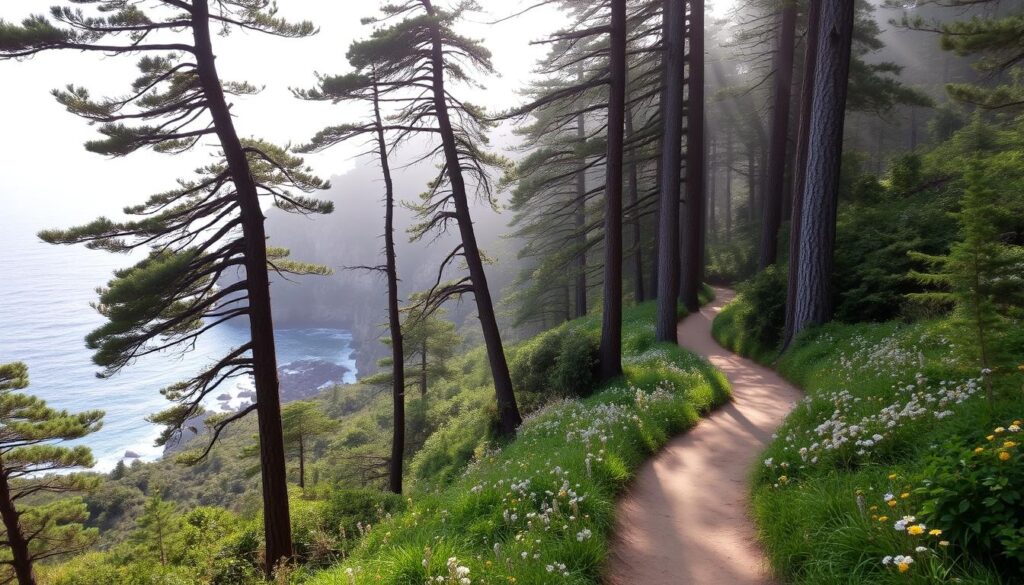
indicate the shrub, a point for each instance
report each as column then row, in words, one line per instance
column 575, row 368
column 348, row 509
column 976, row 495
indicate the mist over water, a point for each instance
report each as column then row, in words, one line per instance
column 45, row 293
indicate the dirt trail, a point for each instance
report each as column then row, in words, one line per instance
column 686, row 518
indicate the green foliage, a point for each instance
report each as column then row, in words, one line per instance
column 983, row 274
column 347, row 509
column 976, row 493
column 35, row 470
column 559, row 363
column 157, row 528
column 822, row 512
column 752, row 324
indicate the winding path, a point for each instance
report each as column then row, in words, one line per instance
column 686, row 519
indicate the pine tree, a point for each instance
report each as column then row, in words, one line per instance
column 692, row 255
column 33, row 463
column 304, row 422
column 821, row 186
column 364, row 86
column 417, row 58
column 672, row 111
column 199, row 232
column 982, row 277
column 157, row 526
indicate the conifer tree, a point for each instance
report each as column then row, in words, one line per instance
column 692, row 272
column 200, row 232
column 821, row 184
column 982, row 277
column 417, row 57
column 304, row 422
column 364, row 86
column 33, row 463
column 157, row 526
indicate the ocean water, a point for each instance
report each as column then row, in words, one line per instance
column 45, row 293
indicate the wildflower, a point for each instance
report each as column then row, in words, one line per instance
column 892, row 503
column 1000, row 430
column 903, row 562
column 768, row 462
column 883, row 518
column 990, row 437
column 888, row 497
column 1004, row 456
column 904, row 495
column 943, row 543
column 1009, row 445
column 916, row 530
column 887, row 560
column 1015, row 428
column 934, row 532
column 921, row 549
column 979, row 450
column 892, row 476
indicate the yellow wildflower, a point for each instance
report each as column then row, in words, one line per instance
column 892, row 476
column 990, row 437
column 915, row 530
column 979, row 449
column 943, row 543
column 903, row 567
column 883, row 518
column 1009, row 445
column 1004, row 456
column 1000, row 430
column 904, row 495
column 892, row 503
column 934, row 532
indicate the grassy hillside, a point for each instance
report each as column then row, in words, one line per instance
column 895, row 468
column 529, row 511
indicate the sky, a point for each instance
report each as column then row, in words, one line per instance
column 47, row 173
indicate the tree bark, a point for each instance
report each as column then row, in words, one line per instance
column 667, row 320
column 276, row 520
column 633, row 202
column 800, row 167
column 771, row 203
column 581, row 222
column 302, row 462
column 21, row 559
column 693, row 227
column 394, row 315
column 508, row 410
column 611, row 324
column 728, row 184
column 825, row 148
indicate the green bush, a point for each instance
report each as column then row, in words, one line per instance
column 575, row 368
column 977, row 496
column 347, row 509
column 752, row 324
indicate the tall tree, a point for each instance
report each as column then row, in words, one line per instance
column 772, row 202
column 32, row 462
column 825, row 147
column 674, row 44
column 202, row 229
column 693, row 216
column 364, row 86
column 416, row 57
column 800, row 169
column 611, row 323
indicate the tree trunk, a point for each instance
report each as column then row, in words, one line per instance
column 800, row 167
column 728, row 184
column 423, row 370
column 825, row 148
column 667, row 320
column 581, row 222
column 611, row 324
column 693, row 227
column 302, row 462
column 776, row 167
column 276, row 522
column 751, row 182
column 633, row 202
column 712, row 199
column 508, row 410
column 394, row 316
column 21, row 560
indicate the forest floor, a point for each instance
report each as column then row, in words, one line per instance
column 686, row 519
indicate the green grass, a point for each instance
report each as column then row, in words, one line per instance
column 822, row 515
column 539, row 510
column 728, row 331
